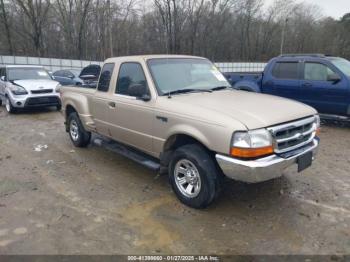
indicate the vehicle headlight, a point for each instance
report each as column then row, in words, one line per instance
column 17, row 90
column 251, row 144
column 58, row 87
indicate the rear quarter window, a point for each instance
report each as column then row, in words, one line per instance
column 286, row 70
column 105, row 77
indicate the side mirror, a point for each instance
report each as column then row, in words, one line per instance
column 335, row 78
column 139, row 91
column 3, row 78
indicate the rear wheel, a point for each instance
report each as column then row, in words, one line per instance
column 77, row 133
column 9, row 107
column 194, row 177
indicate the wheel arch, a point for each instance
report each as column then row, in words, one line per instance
column 68, row 110
column 177, row 140
column 247, row 86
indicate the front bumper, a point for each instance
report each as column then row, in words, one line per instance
column 259, row 170
column 27, row 101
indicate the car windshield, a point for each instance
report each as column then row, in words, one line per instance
column 27, row 73
column 173, row 74
column 342, row 64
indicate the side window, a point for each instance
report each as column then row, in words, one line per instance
column 69, row 74
column 317, row 72
column 130, row 74
column 285, row 70
column 65, row 74
column 58, row 73
column 105, row 77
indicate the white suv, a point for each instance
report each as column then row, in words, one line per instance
column 27, row 86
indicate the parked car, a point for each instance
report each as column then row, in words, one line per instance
column 27, row 86
column 68, row 77
column 179, row 115
column 90, row 75
column 320, row 81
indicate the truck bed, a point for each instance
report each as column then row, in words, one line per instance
column 79, row 89
column 234, row 77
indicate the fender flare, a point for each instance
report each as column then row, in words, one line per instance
column 247, row 86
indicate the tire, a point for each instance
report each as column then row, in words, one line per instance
column 79, row 136
column 0, row 102
column 59, row 107
column 9, row 107
column 202, row 175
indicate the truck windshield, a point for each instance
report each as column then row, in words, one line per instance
column 342, row 64
column 173, row 74
column 27, row 73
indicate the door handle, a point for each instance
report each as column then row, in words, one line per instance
column 307, row 85
column 111, row 104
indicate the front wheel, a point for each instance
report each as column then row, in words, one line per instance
column 9, row 107
column 77, row 133
column 59, row 107
column 194, row 176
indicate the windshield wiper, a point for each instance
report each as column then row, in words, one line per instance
column 187, row 90
column 220, row 88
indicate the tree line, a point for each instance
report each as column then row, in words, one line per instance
column 222, row 30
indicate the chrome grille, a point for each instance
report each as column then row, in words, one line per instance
column 42, row 91
column 293, row 135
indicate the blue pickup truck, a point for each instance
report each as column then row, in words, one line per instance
column 320, row 81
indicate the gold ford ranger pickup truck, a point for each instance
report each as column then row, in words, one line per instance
column 179, row 115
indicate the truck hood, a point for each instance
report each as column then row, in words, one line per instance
column 36, row 84
column 251, row 109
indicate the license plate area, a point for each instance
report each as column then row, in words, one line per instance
column 43, row 99
column 304, row 161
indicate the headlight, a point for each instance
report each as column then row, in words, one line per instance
column 58, row 87
column 251, row 144
column 17, row 90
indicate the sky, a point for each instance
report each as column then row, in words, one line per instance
column 333, row 8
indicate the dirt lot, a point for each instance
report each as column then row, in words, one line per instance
column 56, row 199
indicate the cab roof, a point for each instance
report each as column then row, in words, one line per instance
column 147, row 57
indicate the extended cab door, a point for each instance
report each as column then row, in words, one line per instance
column 324, row 88
column 102, row 102
column 283, row 79
column 132, row 118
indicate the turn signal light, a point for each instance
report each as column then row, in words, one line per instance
column 318, row 131
column 251, row 152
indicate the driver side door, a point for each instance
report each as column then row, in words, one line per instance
column 131, row 118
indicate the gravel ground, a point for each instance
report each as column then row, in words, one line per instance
column 57, row 199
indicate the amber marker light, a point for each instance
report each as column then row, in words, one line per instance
column 251, row 152
column 318, row 125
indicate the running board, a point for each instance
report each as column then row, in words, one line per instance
column 335, row 117
column 127, row 152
